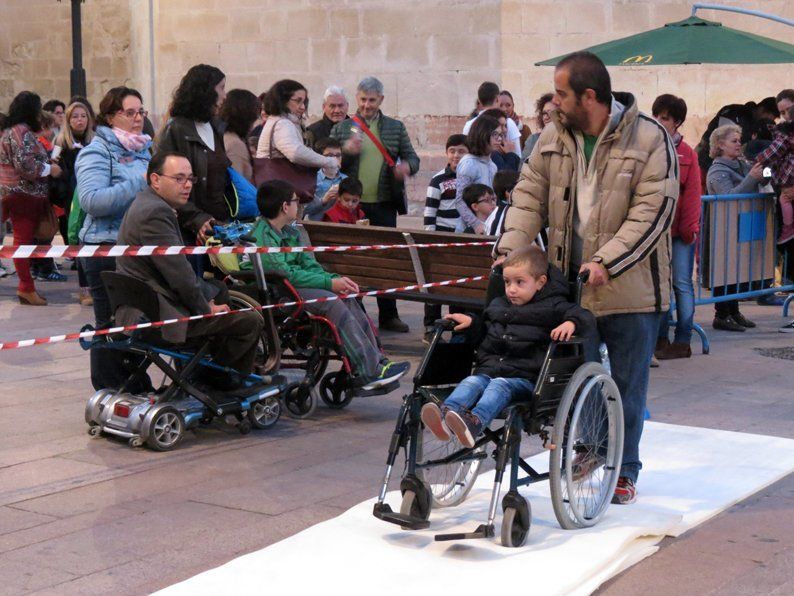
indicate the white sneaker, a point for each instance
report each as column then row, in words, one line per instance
column 788, row 327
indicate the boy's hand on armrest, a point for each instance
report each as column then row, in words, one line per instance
column 343, row 285
column 463, row 321
column 563, row 332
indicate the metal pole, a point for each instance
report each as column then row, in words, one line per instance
column 755, row 13
column 77, row 75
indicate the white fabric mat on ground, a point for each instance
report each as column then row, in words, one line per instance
column 690, row 474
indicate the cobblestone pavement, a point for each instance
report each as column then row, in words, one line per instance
column 83, row 516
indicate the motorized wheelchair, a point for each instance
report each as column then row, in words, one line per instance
column 308, row 341
column 575, row 409
column 159, row 418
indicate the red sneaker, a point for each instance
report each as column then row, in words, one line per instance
column 625, row 492
column 433, row 419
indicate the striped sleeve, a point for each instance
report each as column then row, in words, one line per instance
column 651, row 210
column 432, row 201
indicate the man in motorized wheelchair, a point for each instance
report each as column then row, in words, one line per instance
column 152, row 220
column 512, row 335
column 278, row 205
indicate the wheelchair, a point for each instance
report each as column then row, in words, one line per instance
column 308, row 342
column 576, row 411
column 159, row 418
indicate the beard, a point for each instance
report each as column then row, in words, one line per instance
column 576, row 118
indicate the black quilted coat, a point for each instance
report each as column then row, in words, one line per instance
column 514, row 339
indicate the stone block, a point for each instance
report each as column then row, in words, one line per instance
column 344, row 22
column 584, row 17
column 307, row 23
column 630, row 17
column 398, row 21
column 429, row 93
column 544, row 18
column 364, row 54
column 462, row 53
column 245, row 25
column 511, row 17
column 199, row 26
column 325, row 55
column 273, row 24
column 407, row 54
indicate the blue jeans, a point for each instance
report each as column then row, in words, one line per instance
column 491, row 395
column 683, row 263
column 630, row 339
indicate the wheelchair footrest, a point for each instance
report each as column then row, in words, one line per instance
column 385, row 513
column 382, row 390
column 482, row 531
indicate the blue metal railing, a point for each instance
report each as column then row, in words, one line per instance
column 737, row 255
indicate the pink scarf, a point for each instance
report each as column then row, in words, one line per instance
column 131, row 141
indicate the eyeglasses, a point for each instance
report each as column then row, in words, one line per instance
column 181, row 180
column 497, row 135
column 132, row 113
column 491, row 199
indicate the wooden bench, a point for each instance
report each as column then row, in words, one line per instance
column 383, row 269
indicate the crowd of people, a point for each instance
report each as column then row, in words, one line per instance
column 602, row 188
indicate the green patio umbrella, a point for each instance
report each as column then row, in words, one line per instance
column 691, row 41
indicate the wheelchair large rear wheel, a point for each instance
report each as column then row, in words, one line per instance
column 239, row 300
column 588, row 447
column 450, row 483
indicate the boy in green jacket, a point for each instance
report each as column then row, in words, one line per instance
column 278, row 206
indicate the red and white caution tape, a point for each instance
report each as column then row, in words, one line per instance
column 24, row 343
column 40, row 251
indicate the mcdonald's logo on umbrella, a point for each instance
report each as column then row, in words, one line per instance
column 639, row 59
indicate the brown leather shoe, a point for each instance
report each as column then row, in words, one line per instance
column 32, row 298
column 662, row 343
column 675, row 350
column 393, row 325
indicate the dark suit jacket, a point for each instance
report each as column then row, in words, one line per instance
column 151, row 221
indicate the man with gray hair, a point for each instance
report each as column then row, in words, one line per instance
column 376, row 150
column 334, row 110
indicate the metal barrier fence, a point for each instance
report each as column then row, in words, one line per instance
column 738, row 257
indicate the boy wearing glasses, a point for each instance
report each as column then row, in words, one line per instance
column 482, row 202
column 278, row 205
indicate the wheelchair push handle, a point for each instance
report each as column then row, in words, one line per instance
column 581, row 280
column 445, row 324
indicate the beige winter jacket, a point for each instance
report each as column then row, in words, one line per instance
column 288, row 143
column 629, row 225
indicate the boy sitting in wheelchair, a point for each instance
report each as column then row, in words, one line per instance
column 278, row 205
column 512, row 336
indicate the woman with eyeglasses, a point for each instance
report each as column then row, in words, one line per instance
column 543, row 109
column 110, row 172
column 485, row 136
column 193, row 131
column 76, row 133
column 286, row 104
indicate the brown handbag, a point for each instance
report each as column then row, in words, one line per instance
column 47, row 226
column 302, row 178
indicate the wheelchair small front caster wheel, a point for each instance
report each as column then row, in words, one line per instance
column 299, row 400
column 335, row 390
column 265, row 413
column 94, row 431
column 244, row 427
column 416, row 499
column 516, row 520
column 135, row 442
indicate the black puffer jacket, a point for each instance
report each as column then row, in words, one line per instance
column 514, row 339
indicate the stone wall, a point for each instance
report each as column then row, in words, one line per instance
column 36, row 47
column 430, row 55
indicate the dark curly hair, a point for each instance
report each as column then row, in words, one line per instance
column 113, row 103
column 25, row 109
column 239, row 111
column 278, row 96
column 539, row 104
column 195, row 97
